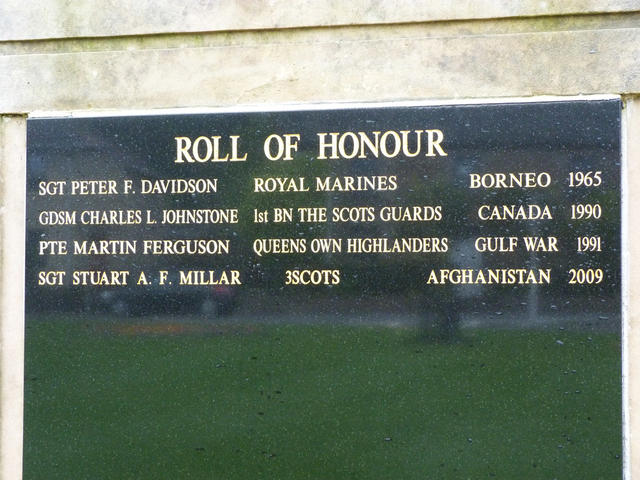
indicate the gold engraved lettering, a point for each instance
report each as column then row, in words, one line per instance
column 509, row 180
column 514, row 212
column 105, row 247
column 185, row 247
column 541, row 244
column 51, row 278
column 93, row 187
column 356, row 184
column 312, row 214
column 353, row 214
column 210, row 277
column 496, row 244
column 279, row 184
column 52, row 188
column 111, row 217
column 502, row 276
column 204, row 149
column 312, row 277
column 52, row 217
column 204, row 216
column 263, row 246
column 389, row 144
column 423, row 213
column 398, row 245
column 284, row 148
column 177, row 186
column 100, row 278
column 142, row 279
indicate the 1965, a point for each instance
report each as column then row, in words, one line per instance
column 585, row 179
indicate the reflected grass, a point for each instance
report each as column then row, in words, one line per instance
column 319, row 402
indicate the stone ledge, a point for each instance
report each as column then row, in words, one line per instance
column 46, row 19
column 411, row 68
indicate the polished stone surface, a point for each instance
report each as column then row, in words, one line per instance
column 381, row 374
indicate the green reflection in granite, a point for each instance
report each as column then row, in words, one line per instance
column 110, row 398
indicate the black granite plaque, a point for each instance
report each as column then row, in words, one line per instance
column 390, row 292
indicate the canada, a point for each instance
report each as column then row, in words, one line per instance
column 514, row 212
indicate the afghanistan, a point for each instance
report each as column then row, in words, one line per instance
column 488, row 276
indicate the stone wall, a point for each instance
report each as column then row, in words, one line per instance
column 94, row 61
column 60, row 56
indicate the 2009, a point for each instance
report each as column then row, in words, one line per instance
column 588, row 276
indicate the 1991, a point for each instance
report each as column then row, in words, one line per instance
column 590, row 244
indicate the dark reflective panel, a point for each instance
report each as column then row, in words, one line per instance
column 399, row 292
